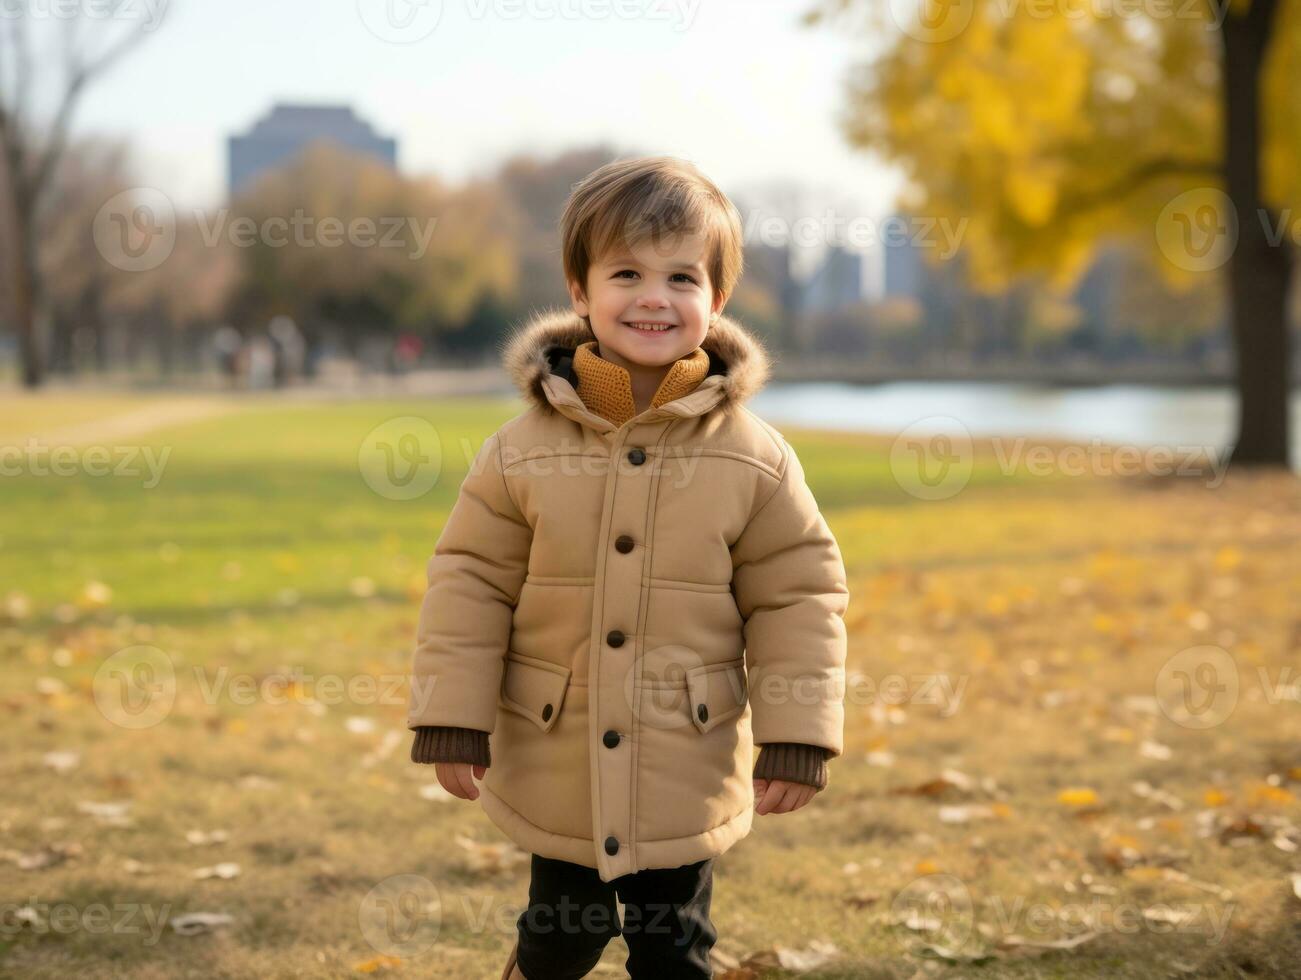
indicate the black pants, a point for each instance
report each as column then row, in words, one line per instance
column 572, row 915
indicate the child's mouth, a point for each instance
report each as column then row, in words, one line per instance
column 649, row 327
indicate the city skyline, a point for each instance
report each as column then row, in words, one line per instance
column 485, row 86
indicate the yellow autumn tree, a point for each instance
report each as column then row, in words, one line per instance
column 337, row 236
column 1050, row 124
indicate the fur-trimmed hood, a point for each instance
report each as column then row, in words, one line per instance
column 544, row 347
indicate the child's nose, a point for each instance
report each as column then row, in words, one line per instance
column 652, row 301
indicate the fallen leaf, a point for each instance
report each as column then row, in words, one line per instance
column 380, row 962
column 201, row 838
column 1020, row 943
column 965, row 813
column 64, row 761
column 493, row 857
column 1078, row 796
column 194, row 923
column 226, row 869
column 108, row 814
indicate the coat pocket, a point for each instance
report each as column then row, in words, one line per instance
column 716, row 692
column 534, row 688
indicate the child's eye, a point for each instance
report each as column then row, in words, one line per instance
column 675, row 275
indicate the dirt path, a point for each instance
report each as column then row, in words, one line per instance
column 161, row 413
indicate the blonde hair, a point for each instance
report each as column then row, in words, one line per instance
column 648, row 199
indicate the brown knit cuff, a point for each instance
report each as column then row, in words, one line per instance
column 440, row 743
column 793, row 761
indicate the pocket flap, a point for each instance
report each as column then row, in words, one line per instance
column 534, row 688
column 717, row 692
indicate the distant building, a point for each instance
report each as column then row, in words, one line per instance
column 1094, row 295
column 277, row 137
column 905, row 270
column 836, row 283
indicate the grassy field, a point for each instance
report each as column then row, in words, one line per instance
column 1022, row 794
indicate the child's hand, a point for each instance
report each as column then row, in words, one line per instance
column 780, row 795
column 455, row 777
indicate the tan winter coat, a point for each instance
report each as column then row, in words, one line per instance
column 629, row 609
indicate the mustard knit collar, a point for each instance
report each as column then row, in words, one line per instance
column 606, row 388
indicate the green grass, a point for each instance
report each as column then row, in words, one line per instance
column 262, row 550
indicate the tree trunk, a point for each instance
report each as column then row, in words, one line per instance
column 1258, row 271
column 26, row 291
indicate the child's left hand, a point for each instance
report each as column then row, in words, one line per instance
column 780, row 795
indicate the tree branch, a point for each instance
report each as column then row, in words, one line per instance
column 80, row 74
column 1128, row 183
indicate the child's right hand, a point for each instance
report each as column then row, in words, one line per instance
column 455, row 777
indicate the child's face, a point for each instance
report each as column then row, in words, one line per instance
column 666, row 284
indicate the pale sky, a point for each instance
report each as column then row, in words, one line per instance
column 737, row 86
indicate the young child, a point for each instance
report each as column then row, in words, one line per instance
column 633, row 589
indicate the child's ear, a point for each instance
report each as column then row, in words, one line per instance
column 577, row 296
column 716, row 308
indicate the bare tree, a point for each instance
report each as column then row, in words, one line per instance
column 77, row 50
